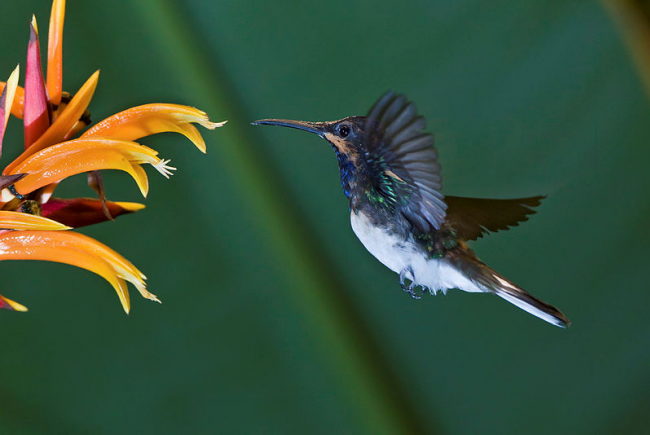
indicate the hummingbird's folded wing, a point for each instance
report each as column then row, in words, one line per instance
column 404, row 161
column 472, row 218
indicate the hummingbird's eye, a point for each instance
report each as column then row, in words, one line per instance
column 344, row 130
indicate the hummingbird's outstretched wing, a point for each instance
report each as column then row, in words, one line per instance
column 405, row 160
column 472, row 218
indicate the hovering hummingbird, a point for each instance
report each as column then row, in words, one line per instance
column 391, row 176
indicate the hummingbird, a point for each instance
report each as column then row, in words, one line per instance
column 390, row 174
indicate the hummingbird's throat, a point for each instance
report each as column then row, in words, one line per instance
column 343, row 147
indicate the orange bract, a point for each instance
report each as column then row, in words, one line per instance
column 64, row 122
column 55, row 52
column 51, row 119
column 141, row 121
column 60, row 247
column 73, row 157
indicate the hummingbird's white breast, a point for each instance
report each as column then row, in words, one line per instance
column 399, row 254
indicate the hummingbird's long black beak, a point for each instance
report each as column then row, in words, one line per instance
column 319, row 128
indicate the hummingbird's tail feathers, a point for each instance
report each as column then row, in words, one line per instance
column 490, row 281
column 472, row 218
column 527, row 302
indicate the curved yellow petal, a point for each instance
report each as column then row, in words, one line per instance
column 54, row 170
column 13, row 220
column 6, row 102
column 123, row 268
column 141, row 179
column 82, row 155
column 59, row 247
column 19, row 100
column 9, row 96
column 148, row 119
column 8, row 304
column 63, row 123
column 131, row 207
column 55, row 52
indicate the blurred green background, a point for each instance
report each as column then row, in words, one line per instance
column 274, row 318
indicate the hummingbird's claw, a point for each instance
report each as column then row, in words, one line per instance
column 410, row 288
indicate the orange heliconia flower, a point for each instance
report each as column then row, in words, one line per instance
column 34, row 225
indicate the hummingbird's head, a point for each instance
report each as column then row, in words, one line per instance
column 385, row 158
column 345, row 135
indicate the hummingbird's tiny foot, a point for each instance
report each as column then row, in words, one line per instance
column 411, row 287
column 413, row 293
column 403, row 278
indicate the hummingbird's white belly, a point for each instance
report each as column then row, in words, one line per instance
column 400, row 254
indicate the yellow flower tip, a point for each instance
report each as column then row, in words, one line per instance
column 189, row 114
column 211, row 125
column 11, row 86
column 196, row 138
column 34, row 24
column 153, row 297
column 131, row 206
column 20, row 308
column 13, row 305
column 140, row 177
column 142, row 288
column 123, row 293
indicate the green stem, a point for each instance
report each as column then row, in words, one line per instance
column 381, row 402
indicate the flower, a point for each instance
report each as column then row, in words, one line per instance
column 34, row 225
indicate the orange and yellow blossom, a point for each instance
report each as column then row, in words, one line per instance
column 34, row 225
